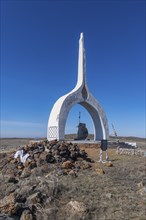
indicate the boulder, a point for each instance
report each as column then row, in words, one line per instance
column 108, row 164
column 7, row 204
column 50, row 158
column 72, row 173
column 12, row 179
column 76, row 209
column 67, row 165
column 26, row 215
column 85, row 165
column 34, row 198
column 100, row 171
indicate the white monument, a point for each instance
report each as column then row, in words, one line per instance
column 79, row 95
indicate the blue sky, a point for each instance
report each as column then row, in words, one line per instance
column 39, row 57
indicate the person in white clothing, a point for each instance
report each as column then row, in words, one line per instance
column 22, row 155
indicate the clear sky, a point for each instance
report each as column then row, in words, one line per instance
column 39, row 58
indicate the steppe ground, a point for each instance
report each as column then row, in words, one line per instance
column 116, row 194
column 12, row 143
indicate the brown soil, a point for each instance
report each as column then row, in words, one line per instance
column 114, row 195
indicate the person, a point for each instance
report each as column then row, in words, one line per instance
column 22, row 154
column 104, row 147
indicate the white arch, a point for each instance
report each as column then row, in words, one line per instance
column 79, row 95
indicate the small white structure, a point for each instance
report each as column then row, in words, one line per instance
column 79, row 95
column 132, row 144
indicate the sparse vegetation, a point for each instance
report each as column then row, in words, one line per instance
column 116, row 193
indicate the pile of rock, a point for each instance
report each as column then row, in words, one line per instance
column 60, row 157
column 29, row 188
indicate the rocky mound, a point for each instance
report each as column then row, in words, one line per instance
column 28, row 189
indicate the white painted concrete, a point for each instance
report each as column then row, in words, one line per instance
column 79, row 95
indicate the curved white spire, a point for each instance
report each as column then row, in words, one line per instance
column 79, row 95
column 81, row 62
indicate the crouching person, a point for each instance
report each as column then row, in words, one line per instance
column 21, row 155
